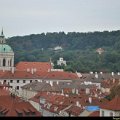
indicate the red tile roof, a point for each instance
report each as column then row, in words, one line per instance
column 74, row 110
column 40, row 66
column 109, row 83
column 114, row 104
column 41, row 75
column 62, row 75
column 14, row 106
column 4, row 89
column 4, row 92
column 95, row 114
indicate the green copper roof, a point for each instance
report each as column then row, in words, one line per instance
column 5, row 48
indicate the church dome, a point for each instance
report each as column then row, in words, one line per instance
column 5, row 48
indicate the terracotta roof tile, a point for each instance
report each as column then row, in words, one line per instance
column 114, row 104
column 40, row 66
column 39, row 74
column 95, row 114
column 13, row 106
column 74, row 110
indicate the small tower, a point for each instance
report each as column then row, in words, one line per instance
column 6, row 54
column 52, row 64
column 2, row 38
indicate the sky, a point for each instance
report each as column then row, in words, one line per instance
column 24, row 17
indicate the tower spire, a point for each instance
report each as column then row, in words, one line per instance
column 2, row 34
column 2, row 38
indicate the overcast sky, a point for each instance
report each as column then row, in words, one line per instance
column 24, row 17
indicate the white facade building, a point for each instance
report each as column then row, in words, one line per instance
column 61, row 61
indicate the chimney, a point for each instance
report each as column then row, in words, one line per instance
column 96, row 95
column 12, row 70
column 112, row 73
column 101, row 73
column 46, row 81
column 66, row 95
column 28, row 70
column 79, row 74
column 91, row 72
column 51, row 83
column 77, row 103
column 113, row 80
column 73, row 90
column 3, row 69
column 76, row 91
column 2, row 82
column 96, row 75
column 87, row 91
column 57, row 82
column 90, row 100
column 62, row 92
column 6, row 88
column 32, row 71
column 48, row 70
column 119, row 82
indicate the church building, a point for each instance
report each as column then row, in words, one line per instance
column 6, row 55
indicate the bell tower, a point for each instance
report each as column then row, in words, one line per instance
column 6, row 54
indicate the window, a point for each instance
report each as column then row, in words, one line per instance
column 32, row 113
column 24, row 81
column 4, row 62
column 17, row 81
column 17, row 87
column 30, row 81
column 11, row 86
column 27, row 113
column 11, row 62
column 102, row 113
column 19, row 114
column 111, row 114
column 11, row 81
column 4, row 81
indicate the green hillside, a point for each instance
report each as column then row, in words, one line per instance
column 79, row 49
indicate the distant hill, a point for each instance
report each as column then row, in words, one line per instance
column 79, row 49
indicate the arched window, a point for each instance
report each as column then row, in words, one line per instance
column 8, row 63
column 4, row 62
column 111, row 114
column 11, row 62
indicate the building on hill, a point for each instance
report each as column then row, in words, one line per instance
column 58, row 48
column 61, row 62
column 100, row 51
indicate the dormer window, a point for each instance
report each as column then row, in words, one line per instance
column 27, row 112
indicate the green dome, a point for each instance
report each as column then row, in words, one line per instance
column 5, row 48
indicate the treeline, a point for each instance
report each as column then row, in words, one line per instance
column 79, row 49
